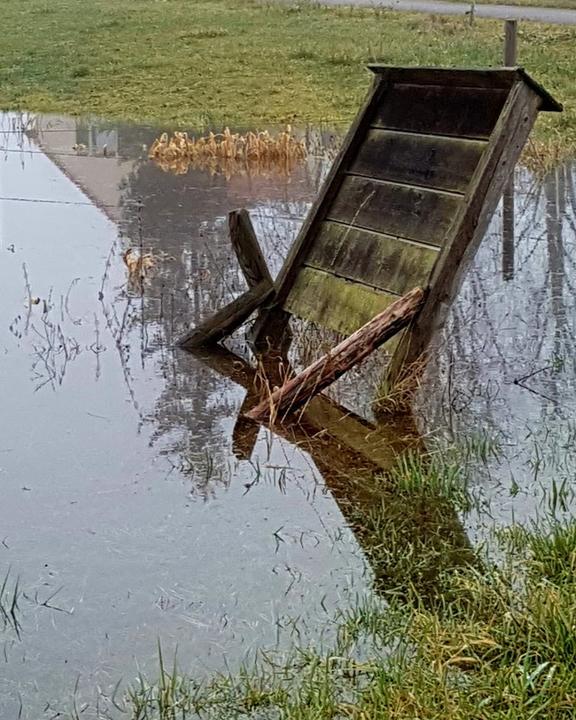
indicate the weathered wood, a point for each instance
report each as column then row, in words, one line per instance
column 229, row 318
column 413, row 213
column 441, row 110
column 329, row 189
column 387, row 263
column 406, row 170
column 247, row 248
column 333, row 302
column 430, row 161
column 344, row 356
column 321, row 420
column 502, row 78
column 510, row 42
column 469, row 227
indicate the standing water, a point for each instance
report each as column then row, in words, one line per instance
column 129, row 516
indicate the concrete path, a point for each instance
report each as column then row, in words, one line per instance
column 556, row 16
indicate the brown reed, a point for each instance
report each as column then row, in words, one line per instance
column 227, row 153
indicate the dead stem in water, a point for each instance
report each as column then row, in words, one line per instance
column 227, row 153
column 139, row 266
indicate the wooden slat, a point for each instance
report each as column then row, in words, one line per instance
column 423, row 160
column 436, row 110
column 329, row 189
column 247, row 248
column 387, row 263
column 502, row 78
column 413, row 213
column 335, row 303
column 497, row 163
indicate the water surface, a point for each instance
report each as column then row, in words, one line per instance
column 133, row 510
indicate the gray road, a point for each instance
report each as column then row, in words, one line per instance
column 504, row 12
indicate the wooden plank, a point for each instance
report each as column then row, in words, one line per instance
column 335, row 303
column 414, row 159
column 413, row 213
column 388, row 263
column 503, row 78
column 230, row 317
column 493, row 171
column 329, row 189
column 247, row 248
column 437, row 110
column 488, row 78
column 343, row 357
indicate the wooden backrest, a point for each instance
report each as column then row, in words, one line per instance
column 394, row 200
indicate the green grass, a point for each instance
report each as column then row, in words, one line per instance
column 191, row 62
column 492, row 642
column 501, row 646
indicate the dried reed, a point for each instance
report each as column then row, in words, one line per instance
column 227, row 153
column 139, row 266
column 542, row 156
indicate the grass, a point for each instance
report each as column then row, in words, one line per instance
column 218, row 62
column 10, row 595
column 452, row 635
column 500, row 645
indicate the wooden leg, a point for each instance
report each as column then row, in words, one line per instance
column 271, row 331
column 260, row 284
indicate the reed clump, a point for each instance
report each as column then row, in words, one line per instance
column 543, row 156
column 228, row 153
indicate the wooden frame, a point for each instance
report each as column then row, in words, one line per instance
column 404, row 206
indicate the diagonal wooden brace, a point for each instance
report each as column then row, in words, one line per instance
column 261, row 286
column 344, row 356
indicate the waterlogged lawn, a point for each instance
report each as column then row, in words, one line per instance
column 494, row 641
column 244, row 61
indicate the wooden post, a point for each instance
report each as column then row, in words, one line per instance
column 344, row 356
column 510, row 59
column 247, row 249
column 510, row 42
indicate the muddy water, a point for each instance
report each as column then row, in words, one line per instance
column 132, row 510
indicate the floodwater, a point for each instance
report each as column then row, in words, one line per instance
column 135, row 506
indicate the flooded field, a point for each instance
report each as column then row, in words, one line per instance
column 136, row 506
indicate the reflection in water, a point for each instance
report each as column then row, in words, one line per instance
column 505, row 366
column 131, row 483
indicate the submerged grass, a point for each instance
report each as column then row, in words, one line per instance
column 222, row 62
column 501, row 646
column 10, row 595
column 492, row 642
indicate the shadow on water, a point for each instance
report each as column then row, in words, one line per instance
column 135, row 493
